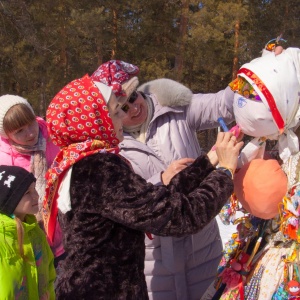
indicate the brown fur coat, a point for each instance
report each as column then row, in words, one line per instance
column 112, row 207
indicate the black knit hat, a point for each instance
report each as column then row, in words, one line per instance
column 14, row 182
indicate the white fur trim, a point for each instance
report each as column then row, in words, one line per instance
column 168, row 92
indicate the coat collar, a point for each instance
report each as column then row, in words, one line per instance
column 168, row 93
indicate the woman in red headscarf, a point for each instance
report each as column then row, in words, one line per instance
column 106, row 207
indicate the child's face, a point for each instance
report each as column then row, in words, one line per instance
column 29, row 203
column 26, row 136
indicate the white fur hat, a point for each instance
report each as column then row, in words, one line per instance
column 6, row 102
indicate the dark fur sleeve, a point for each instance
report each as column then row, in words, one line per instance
column 104, row 184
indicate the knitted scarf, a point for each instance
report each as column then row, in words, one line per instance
column 38, row 163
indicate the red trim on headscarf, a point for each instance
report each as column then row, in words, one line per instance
column 241, row 289
column 268, row 95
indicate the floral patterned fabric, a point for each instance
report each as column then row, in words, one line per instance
column 113, row 73
column 273, row 275
column 278, row 256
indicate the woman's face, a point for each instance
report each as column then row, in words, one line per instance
column 136, row 111
column 29, row 204
column 26, row 135
column 116, row 114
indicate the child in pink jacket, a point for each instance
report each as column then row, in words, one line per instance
column 24, row 142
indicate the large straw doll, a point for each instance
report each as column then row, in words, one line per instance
column 261, row 260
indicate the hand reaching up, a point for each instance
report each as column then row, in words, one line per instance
column 228, row 149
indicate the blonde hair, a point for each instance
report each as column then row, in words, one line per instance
column 20, row 239
column 20, row 236
column 16, row 117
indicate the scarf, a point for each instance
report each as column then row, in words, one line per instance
column 78, row 122
column 139, row 132
column 38, row 163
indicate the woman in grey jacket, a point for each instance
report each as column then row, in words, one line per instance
column 160, row 127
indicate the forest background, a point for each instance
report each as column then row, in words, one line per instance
column 47, row 43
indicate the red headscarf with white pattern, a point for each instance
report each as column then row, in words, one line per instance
column 114, row 73
column 79, row 123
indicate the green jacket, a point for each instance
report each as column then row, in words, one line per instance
column 30, row 279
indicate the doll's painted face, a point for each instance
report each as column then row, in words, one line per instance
column 251, row 114
column 253, row 117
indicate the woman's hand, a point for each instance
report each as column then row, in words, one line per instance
column 175, row 167
column 228, row 149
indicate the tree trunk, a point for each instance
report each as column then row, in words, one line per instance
column 99, row 48
column 179, row 61
column 115, row 33
column 235, row 66
column 42, row 104
column 63, row 37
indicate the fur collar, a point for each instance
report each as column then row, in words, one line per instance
column 168, row 92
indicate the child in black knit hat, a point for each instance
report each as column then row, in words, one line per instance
column 26, row 260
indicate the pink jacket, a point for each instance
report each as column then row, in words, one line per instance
column 10, row 157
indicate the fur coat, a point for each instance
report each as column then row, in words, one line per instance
column 112, row 207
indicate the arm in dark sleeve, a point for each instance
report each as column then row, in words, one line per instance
column 191, row 200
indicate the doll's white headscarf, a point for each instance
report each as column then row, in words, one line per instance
column 276, row 81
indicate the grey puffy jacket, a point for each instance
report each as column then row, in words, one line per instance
column 178, row 268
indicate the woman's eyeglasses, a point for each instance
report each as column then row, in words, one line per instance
column 131, row 100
